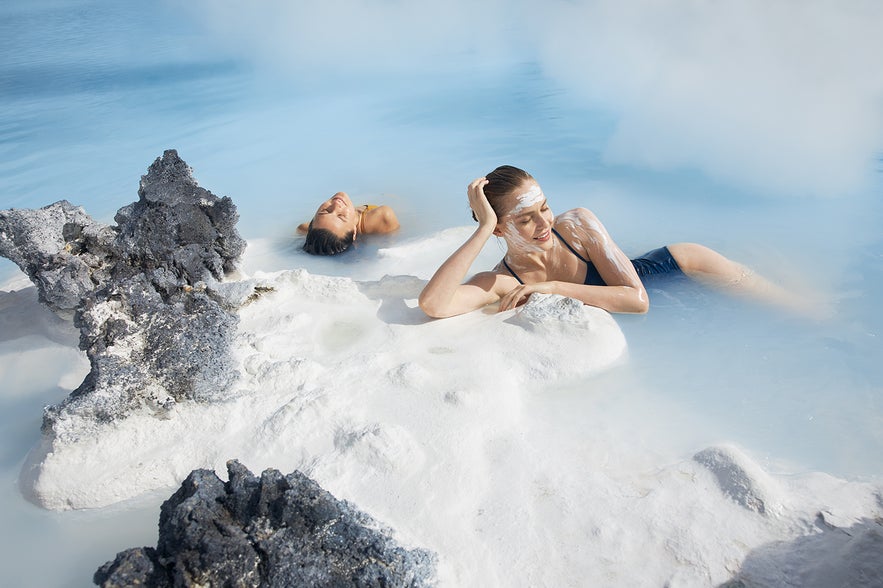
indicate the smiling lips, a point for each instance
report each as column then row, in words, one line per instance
column 544, row 237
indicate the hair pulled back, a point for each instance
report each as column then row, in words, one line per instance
column 324, row 242
column 502, row 182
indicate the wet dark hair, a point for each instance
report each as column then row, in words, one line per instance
column 500, row 183
column 324, row 242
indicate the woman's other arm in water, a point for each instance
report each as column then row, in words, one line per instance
column 446, row 295
column 379, row 220
column 624, row 291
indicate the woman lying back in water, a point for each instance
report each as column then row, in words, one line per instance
column 571, row 254
column 337, row 223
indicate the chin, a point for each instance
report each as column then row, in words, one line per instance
column 544, row 240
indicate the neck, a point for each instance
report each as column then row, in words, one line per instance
column 527, row 256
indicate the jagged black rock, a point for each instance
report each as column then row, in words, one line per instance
column 270, row 531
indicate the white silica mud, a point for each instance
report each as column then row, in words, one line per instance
column 333, row 369
column 505, row 442
column 525, row 448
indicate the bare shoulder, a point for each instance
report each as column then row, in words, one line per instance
column 577, row 218
column 382, row 219
column 579, row 224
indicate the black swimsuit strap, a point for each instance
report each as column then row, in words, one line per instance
column 514, row 275
column 560, row 238
column 572, row 250
column 593, row 278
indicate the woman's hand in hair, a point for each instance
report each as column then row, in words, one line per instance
column 481, row 208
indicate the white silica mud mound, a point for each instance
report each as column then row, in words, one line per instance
column 509, row 444
column 440, row 429
column 342, row 376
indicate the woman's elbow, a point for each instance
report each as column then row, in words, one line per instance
column 641, row 303
column 430, row 307
column 432, row 312
column 636, row 302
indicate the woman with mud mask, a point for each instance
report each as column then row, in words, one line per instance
column 338, row 223
column 571, row 254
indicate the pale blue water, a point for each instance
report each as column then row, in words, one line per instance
column 92, row 92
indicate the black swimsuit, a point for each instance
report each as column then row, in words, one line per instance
column 658, row 261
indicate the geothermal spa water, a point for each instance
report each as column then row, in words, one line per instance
column 558, row 478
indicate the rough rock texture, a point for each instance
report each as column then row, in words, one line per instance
column 61, row 249
column 153, row 320
column 270, row 531
column 741, row 480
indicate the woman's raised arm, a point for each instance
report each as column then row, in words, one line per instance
column 446, row 295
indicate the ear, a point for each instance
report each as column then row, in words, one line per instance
column 498, row 232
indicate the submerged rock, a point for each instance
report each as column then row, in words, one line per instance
column 270, row 531
column 833, row 556
column 143, row 293
column 741, row 480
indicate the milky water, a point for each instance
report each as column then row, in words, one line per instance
column 769, row 157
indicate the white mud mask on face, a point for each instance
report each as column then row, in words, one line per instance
column 517, row 242
column 533, row 196
column 528, row 199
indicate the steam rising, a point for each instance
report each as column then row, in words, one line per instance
column 783, row 97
